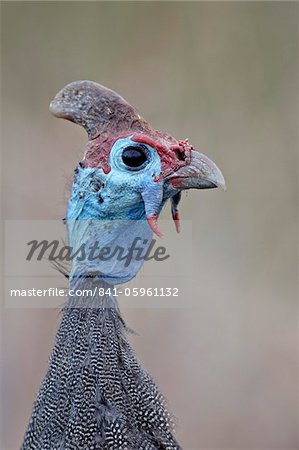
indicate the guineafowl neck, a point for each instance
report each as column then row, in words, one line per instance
column 96, row 395
column 90, row 291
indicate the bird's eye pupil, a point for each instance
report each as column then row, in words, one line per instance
column 134, row 157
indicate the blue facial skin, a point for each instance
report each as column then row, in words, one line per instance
column 111, row 209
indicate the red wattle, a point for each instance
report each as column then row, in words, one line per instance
column 153, row 223
column 176, row 218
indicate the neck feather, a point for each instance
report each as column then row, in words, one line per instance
column 96, row 394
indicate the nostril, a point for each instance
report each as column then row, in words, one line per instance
column 181, row 155
column 179, row 152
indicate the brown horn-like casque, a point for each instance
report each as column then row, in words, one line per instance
column 98, row 109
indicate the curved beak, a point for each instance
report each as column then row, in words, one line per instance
column 201, row 173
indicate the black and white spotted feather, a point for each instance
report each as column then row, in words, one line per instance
column 96, row 395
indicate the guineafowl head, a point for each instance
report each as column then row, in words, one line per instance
column 128, row 172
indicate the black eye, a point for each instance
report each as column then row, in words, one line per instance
column 134, row 157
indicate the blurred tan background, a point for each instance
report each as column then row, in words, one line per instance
column 225, row 76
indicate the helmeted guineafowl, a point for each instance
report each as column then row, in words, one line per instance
column 96, row 394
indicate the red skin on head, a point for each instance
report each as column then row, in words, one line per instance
column 174, row 154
